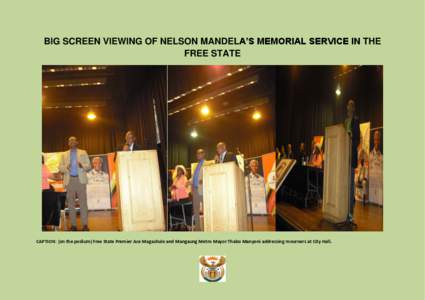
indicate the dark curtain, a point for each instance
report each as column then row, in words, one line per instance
column 99, row 136
column 139, row 114
column 307, row 102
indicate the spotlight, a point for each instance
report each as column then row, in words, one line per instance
column 338, row 91
column 91, row 116
column 256, row 115
column 205, row 110
column 80, row 68
column 194, row 134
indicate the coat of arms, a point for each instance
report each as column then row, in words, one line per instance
column 212, row 268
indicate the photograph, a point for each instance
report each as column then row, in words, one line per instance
column 329, row 148
column 221, row 148
column 103, row 134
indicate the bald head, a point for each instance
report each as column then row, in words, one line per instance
column 72, row 142
column 221, row 148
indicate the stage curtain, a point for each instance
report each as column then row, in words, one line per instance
column 307, row 103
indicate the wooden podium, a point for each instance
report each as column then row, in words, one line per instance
column 224, row 198
column 139, row 186
column 337, row 174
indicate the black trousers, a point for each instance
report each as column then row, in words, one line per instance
column 51, row 208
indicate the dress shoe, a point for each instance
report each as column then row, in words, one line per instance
column 73, row 228
column 86, row 228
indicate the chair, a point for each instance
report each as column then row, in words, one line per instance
column 178, row 220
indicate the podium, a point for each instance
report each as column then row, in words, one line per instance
column 336, row 182
column 224, row 198
column 139, row 186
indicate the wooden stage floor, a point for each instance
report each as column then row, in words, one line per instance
column 368, row 217
column 108, row 221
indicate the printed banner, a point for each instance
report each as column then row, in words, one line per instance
column 98, row 186
column 376, row 167
column 362, row 171
column 260, row 183
column 52, row 160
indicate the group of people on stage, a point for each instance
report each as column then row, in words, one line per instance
column 75, row 168
column 183, row 189
column 314, row 158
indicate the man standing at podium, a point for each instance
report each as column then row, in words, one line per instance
column 223, row 155
column 352, row 127
column 130, row 142
column 75, row 164
column 197, row 186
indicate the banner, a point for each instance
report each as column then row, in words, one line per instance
column 52, row 160
column 376, row 167
column 361, row 175
column 260, row 183
column 98, row 186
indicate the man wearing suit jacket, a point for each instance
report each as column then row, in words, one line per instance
column 223, row 155
column 197, row 185
column 74, row 165
column 130, row 142
column 352, row 127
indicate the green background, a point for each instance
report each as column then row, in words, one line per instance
column 358, row 265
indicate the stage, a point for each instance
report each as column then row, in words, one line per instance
column 100, row 220
column 107, row 220
column 368, row 217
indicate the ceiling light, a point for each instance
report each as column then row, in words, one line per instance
column 338, row 91
column 194, row 134
column 205, row 110
column 256, row 115
column 91, row 116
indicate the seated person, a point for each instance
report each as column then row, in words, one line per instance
column 179, row 190
column 180, row 193
column 50, row 210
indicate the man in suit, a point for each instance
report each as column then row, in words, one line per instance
column 74, row 165
column 352, row 126
column 197, row 185
column 130, row 142
column 223, row 155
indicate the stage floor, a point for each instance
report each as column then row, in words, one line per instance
column 108, row 221
column 101, row 220
column 368, row 217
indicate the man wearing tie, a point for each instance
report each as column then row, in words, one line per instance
column 197, row 186
column 75, row 164
column 130, row 142
column 223, row 155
